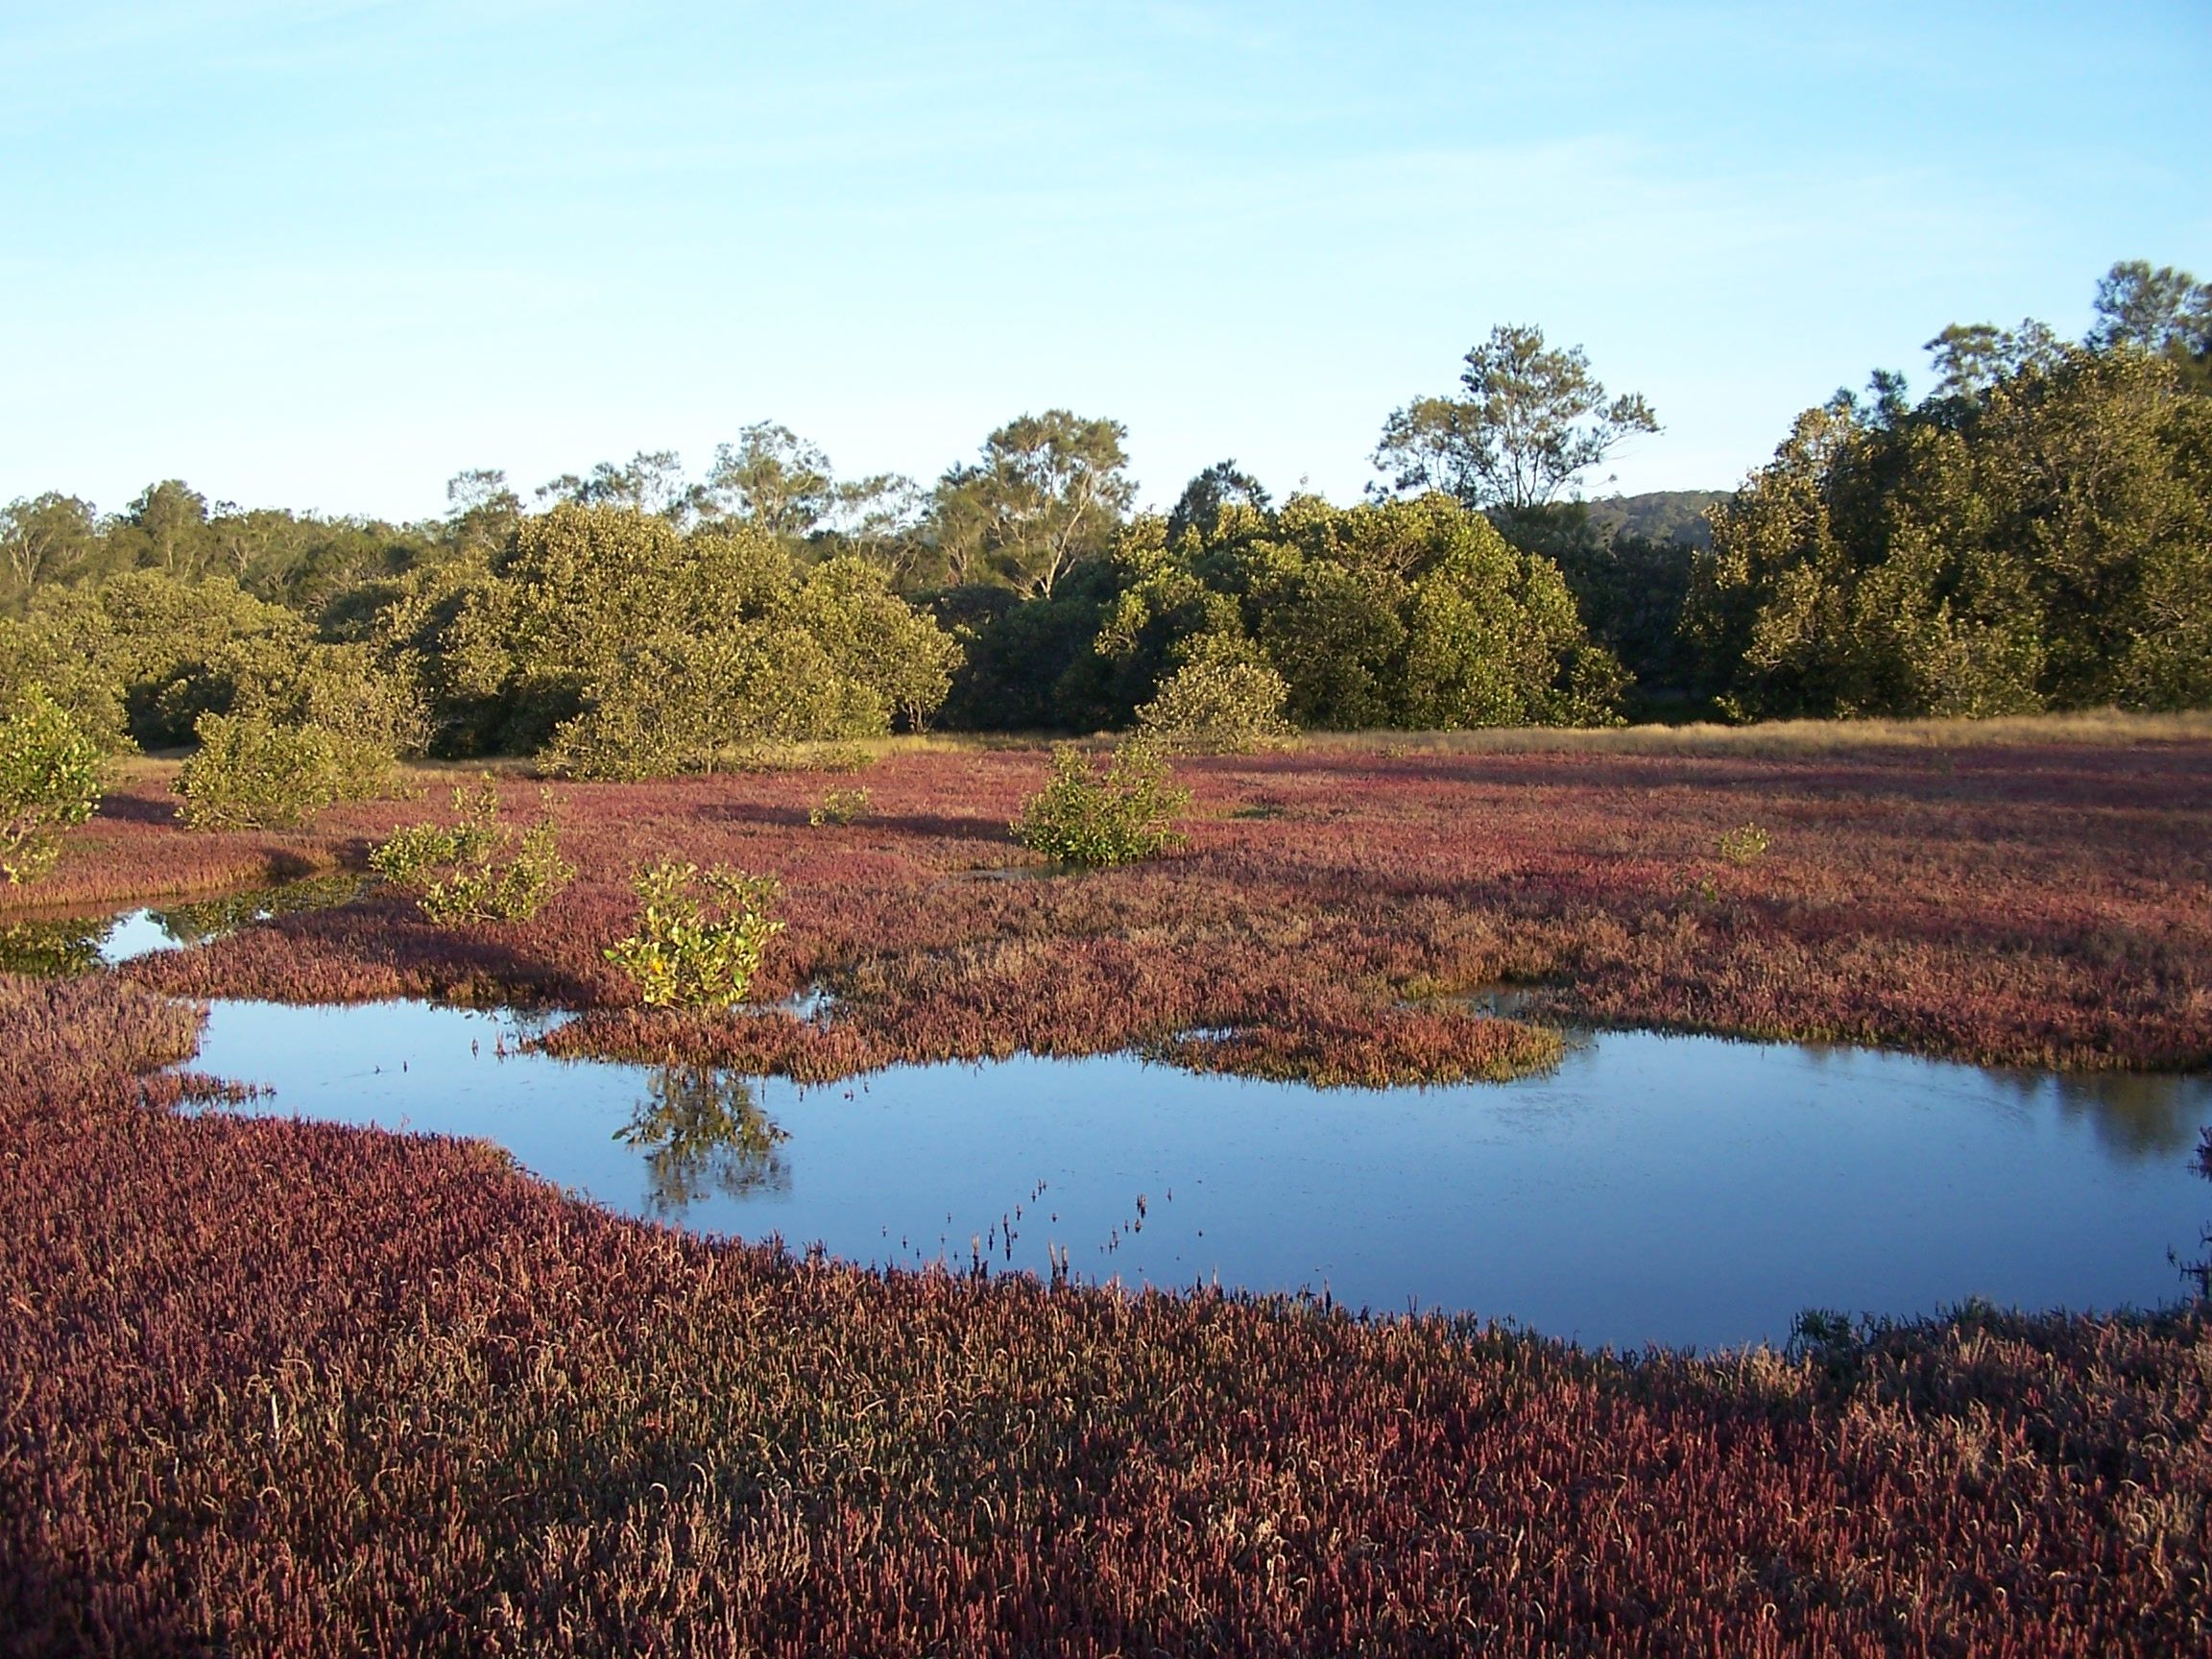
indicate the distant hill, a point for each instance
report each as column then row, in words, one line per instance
column 1662, row 516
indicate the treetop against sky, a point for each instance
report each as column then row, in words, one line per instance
column 327, row 255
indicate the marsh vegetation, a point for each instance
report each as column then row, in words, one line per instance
column 319, row 1332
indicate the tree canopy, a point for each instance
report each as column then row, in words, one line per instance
column 2031, row 534
column 1533, row 421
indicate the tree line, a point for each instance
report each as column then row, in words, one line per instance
column 2035, row 533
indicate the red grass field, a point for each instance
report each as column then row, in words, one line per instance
column 277, row 1389
column 2027, row 904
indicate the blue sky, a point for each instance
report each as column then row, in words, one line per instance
column 324, row 254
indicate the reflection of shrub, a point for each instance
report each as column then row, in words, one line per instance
column 49, row 781
column 1746, row 844
column 70, row 946
column 1213, row 707
column 699, row 938
column 1083, row 816
column 477, row 869
column 250, row 772
column 839, row 807
column 201, row 919
column 702, row 1129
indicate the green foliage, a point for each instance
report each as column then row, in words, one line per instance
column 839, row 807
column 700, row 937
column 478, row 868
column 253, row 773
column 1047, row 498
column 1217, row 708
column 1534, row 420
column 1083, row 816
column 630, row 652
column 1403, row 613
column 1629, row 584
column 1746, row 844
column 49, row 781
column 2036, row 535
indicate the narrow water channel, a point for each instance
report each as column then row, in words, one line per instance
column 1688, row 1191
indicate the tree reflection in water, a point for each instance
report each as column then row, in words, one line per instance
column 64, row 947
column 206, row 919
column 701, row 1131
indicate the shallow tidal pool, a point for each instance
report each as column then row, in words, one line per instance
column 1686, row 1191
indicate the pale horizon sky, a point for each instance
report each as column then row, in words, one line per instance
column 326, row 253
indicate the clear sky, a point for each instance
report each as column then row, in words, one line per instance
column 324, row 254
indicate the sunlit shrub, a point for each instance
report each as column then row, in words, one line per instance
column 1746, row 844
column 252, row 773
column 477, row 868
column 839, row 807
column 49, row 781
column 700, row 937
column 1217, row 708
column 1083, row 816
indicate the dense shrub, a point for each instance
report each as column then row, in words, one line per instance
column 2036, row 533
column 253, row 773
column 1404, row 613
column 49, row 781
column 1083, row 816
column 700, row 937
column 477, row 868
column 684, row 702
column 624, row 649
column 839, row 807
column 1217, row 708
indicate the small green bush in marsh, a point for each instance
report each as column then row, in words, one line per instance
column 839, row 807
column 1746, row 844
column 1083, row 816
column 700, row 937
column 1217, row 708
column 477, row 868
column 49, row 781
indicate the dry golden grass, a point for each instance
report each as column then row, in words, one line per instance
column 1784, row 737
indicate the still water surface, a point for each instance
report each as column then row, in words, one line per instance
column 1687, row 1191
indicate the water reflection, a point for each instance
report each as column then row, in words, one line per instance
column 700, row 1131
column 205, row 920
column 1685, row 1190
column 70, row 946
column 64, row 945
column 2133, row 1114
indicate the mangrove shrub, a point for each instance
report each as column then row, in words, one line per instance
column 1118, row 816
column 699, row 936
column 478, row 868
column 49, row 781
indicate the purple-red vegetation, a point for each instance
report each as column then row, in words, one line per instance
column 276, row 1389
column 2032, row 904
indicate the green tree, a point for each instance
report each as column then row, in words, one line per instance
column 49, row 781
column 774, row 479
column 165, row 529
column 1531, row 421
column 650, row 482
column 1047, row 497
column 49, row 538
column 481, row 511
column 1389, row 614
column 2165, row 312
column 1224, row 484
column 2032, row 536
